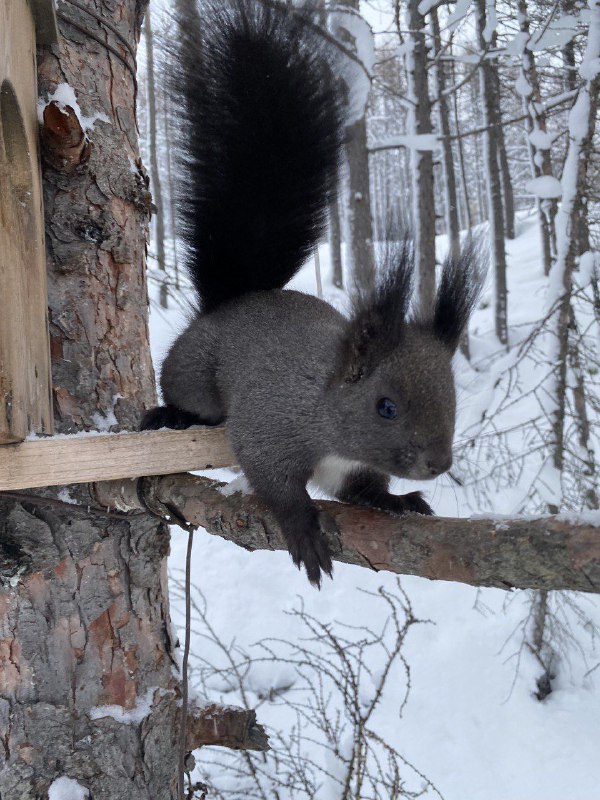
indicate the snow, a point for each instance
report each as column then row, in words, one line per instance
column 343, row 22
column 471, row 723
column 64, row 95
column 491, row 20
column 461, row 9
column 559, row 32
column 541, row 140
column 415, row 141
column 65, row 788
column 517, row 44
column 425, row 6
column 128, row 716
column 545, row 186
column 65, row 497
column 523, row 86
column 588, row 266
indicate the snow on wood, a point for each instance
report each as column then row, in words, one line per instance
column 545, row 186
column 60, row 460
column 65, row 788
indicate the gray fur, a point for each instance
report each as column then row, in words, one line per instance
column 269, row 363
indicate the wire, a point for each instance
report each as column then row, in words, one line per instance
column 184, row 667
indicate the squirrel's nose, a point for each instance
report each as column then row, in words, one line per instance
column 439, row 464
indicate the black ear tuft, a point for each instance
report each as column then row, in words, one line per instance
column 459, row 290
column 379, row 314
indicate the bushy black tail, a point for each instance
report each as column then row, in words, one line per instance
column 260, row 143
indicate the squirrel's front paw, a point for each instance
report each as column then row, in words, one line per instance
column 414, row 502
column 311, row 549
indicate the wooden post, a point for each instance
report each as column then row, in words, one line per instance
column 25, row 386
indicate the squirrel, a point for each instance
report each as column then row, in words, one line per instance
column 307, row 394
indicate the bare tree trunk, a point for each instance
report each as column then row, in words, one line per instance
column 480, row 171
column 154, row 173
column 360, row 252
column 588, row 468
column 359, row 233
column 490, row 101
column 171, row 188
column 461, row 158
column 449, row 179
column 505, row 179
column 84, row 614
column 539, row 153
column 422, row 160
column 335, row 243
column 572, row 210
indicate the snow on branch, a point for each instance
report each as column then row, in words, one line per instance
column 559, row 552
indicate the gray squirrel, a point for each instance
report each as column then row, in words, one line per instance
column 306, row 394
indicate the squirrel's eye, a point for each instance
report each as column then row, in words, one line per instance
column 386, row 408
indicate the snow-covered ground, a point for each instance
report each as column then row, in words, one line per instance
column 471, row 724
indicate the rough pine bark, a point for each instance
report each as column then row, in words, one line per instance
column 84, row 622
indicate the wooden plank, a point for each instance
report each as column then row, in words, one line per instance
column 25, row 386
column 46, row 29
column 57, row 461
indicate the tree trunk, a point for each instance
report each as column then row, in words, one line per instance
column 359, row 222
column 541, row 163
column 505, row 179
column 360, row 253
column 452, row 225
column 154, row 172
column 171, row 190
column 571, row 217
column 422, row 160
column 496, row 221
column 468, row 217
column 335, row 244
column 83, row 599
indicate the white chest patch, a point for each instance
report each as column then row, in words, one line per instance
column 331, row 472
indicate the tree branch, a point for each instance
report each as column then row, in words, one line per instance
column 225, row 726
column 543, row 553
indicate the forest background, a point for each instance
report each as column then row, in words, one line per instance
column 475, row 116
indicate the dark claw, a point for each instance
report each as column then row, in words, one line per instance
column 312, row 550
column 168, row 417
column 414, row 502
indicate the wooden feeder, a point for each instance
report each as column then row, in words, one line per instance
column 25, row 385
column 25, row 380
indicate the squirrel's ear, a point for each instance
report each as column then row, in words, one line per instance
column 358, row 349
column 376, row 325
column 459, row 290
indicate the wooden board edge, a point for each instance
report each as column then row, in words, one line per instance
column 57, row 461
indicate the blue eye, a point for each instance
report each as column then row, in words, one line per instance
column 386, row 408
